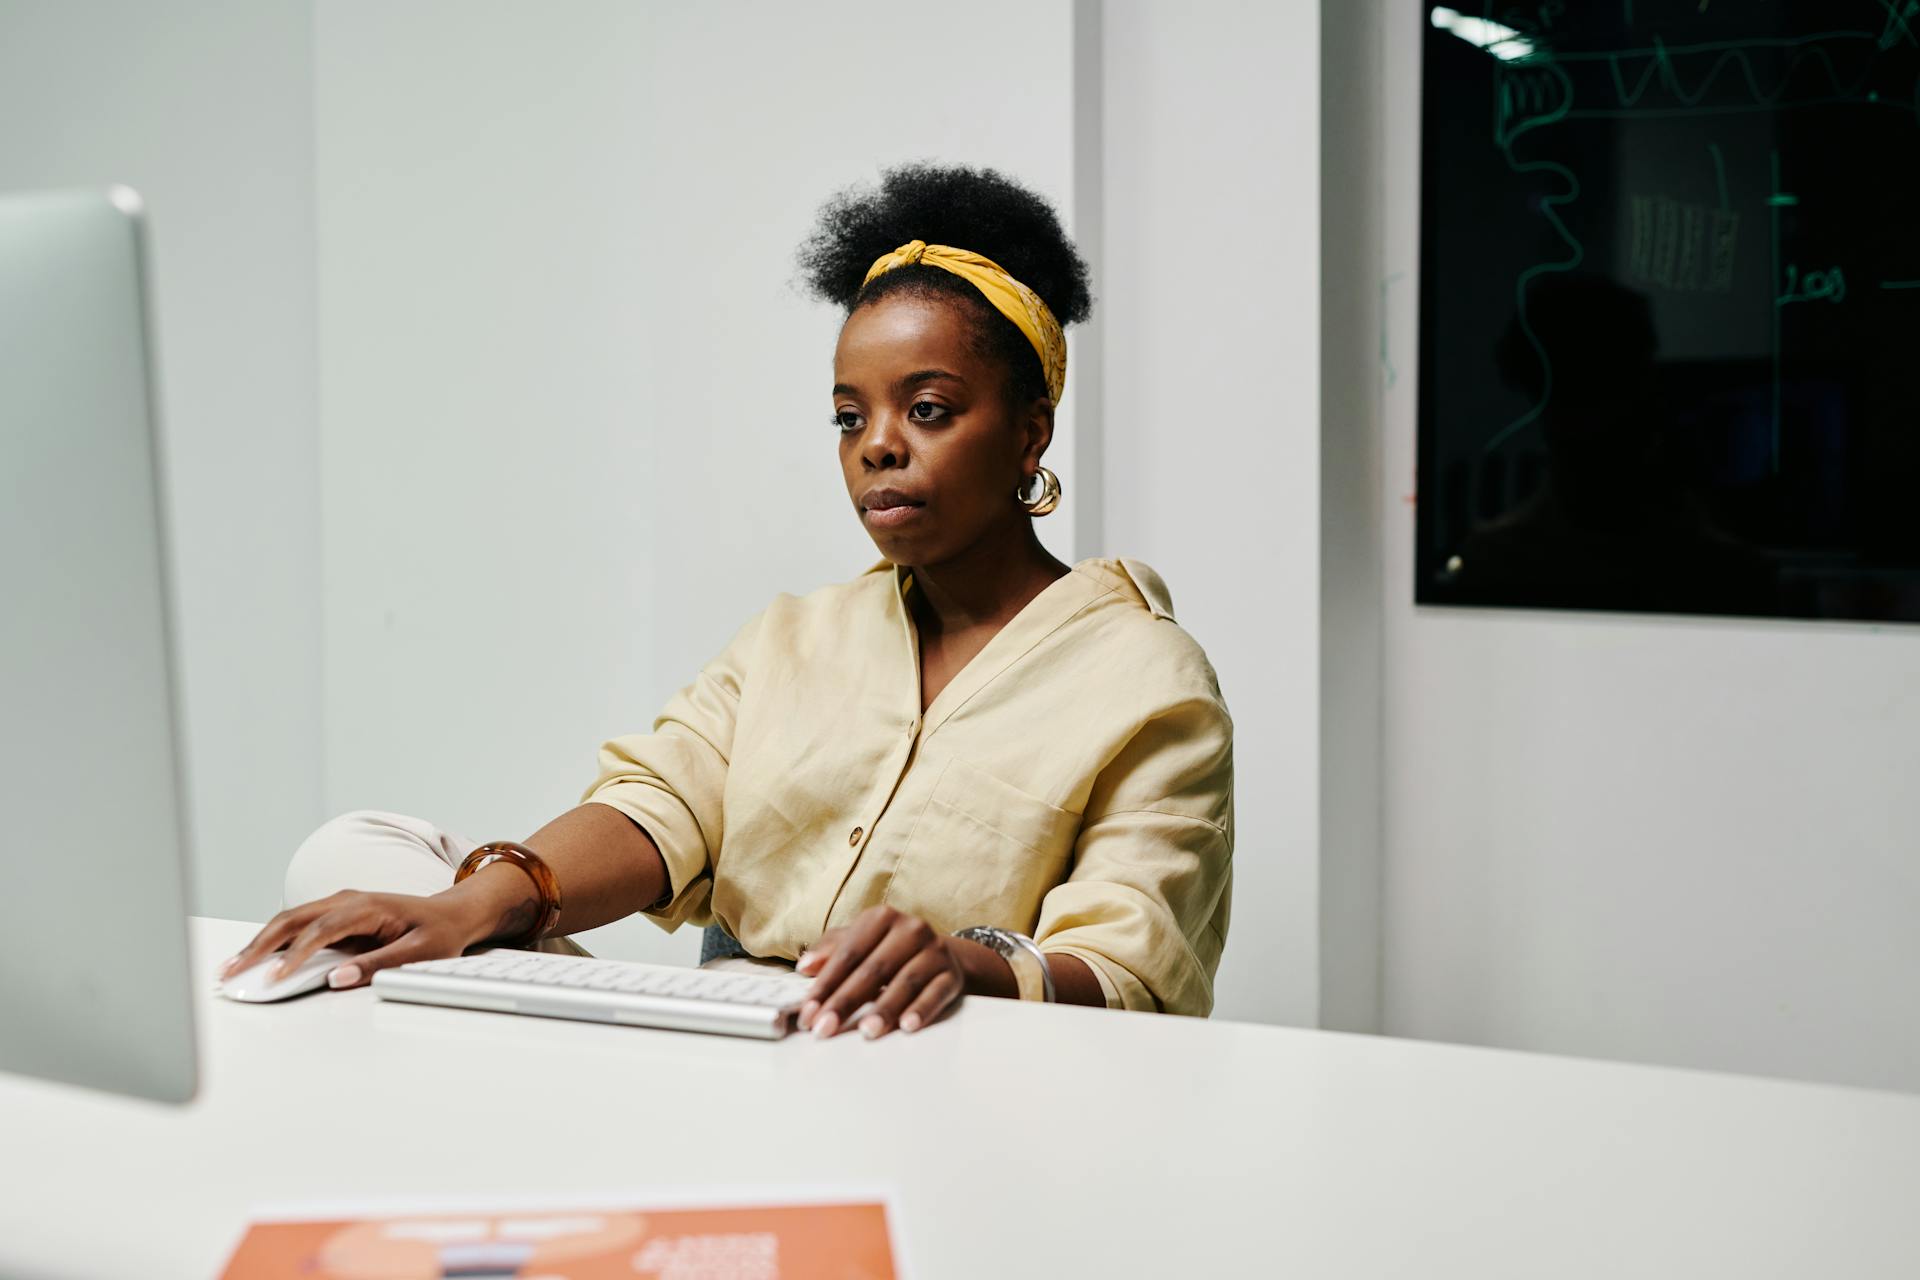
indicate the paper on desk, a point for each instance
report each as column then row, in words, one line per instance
column 579, row 1241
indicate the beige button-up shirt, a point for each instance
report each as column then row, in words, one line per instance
column 1073, row 782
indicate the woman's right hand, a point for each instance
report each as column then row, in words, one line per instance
column 396, row 928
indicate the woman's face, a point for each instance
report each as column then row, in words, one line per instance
column 931, row 451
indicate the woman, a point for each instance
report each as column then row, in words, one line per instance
column 971, row 733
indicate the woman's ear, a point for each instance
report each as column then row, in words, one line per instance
column 1036, row 425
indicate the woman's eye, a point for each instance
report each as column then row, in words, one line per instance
column 939, row 411
column 847, row 420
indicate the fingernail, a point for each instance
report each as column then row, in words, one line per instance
column 910, row 1022
column 226, row 966
column 281, row 970
column 872, row 1026
column 345, row 976
column 826, row 1026
column 806, row 962
column 807, row 1011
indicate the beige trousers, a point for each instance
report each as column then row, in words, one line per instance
column 379, row 852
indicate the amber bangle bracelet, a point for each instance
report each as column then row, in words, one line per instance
column 537, row 871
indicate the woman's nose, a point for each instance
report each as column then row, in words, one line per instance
column 886, row 443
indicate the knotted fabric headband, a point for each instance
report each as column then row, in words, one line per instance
column 1009, row 297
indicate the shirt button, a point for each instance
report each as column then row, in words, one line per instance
column 853, row 836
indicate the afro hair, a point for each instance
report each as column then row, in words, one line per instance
column 976, row 209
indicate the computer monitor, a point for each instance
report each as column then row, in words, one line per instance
column 94, row 970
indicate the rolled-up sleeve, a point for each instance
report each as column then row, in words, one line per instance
column 1147, row 901
column 672, row 782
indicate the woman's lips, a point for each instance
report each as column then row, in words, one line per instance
column 889, row 517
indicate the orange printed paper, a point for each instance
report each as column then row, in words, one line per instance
column 810, row 1242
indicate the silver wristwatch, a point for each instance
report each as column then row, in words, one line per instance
column 1029, row 963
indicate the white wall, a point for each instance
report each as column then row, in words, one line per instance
column 575, row 414
column 571, row 411
column 1210, row 318
column 206, row 108
column 1349, row 756
column 1679, row 841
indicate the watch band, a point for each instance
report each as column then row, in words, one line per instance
column 1023, row 956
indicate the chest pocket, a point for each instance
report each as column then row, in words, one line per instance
column 982, row 852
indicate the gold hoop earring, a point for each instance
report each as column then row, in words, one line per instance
column 1049, row 493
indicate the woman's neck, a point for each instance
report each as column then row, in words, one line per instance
column 985, row 585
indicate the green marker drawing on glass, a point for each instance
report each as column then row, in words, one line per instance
column 1535, row 89
column 1815, row 286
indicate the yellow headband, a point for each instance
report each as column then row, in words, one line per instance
column 1009, row 297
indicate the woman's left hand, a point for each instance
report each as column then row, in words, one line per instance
column 898, row 962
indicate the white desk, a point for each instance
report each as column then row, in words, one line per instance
column 1016, row 1140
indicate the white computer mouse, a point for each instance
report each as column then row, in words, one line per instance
column 256, row 984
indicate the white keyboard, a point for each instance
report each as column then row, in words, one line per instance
column 646, row 995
